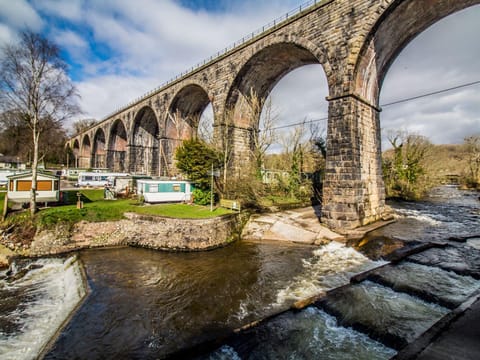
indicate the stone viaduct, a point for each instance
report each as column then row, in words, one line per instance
column 355, row 41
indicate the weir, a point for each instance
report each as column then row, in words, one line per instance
column 36, row 298
column 364, row 319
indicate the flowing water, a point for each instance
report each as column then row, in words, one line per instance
column 309, row 334
column 430, row 283
column 145, row 303
column 148, row 304
column 447, row 212
column 35, row 299
column 393, row 317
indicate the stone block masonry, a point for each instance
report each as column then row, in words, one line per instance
column 152, row 232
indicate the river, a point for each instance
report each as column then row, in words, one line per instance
column 148, row 304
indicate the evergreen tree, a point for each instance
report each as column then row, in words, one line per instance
column 194, row 158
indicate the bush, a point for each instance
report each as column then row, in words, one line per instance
column 201, row 197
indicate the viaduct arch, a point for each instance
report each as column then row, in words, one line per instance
column 355, row 41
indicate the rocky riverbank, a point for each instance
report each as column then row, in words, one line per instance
column 153, row 232
column 173, row 234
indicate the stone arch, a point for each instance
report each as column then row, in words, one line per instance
column 354, row 142
column 181, row 122
column 255, row 80
column 85, row 153
column 117, row 147
column 144, row 147
column 263, row 71
column 99, row 149
column 401, row 22
column 184, row 112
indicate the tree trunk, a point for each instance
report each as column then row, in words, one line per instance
column 33, row 191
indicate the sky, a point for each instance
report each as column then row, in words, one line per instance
column 118, row 50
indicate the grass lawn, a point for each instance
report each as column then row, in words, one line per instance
column 278, row 200
column 96, row 209
column 185, row 211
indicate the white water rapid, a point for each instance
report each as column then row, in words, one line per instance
column 36, row 301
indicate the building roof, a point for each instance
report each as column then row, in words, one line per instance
column 29, row 174
column 9, row 159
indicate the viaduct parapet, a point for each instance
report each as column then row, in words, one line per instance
column 355, row 41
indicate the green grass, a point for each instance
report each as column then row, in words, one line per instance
column 96, row 209
column 184, row 211
column 91, row 212
column 278, row 200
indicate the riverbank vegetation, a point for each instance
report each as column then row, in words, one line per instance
column 287, row 177
column 414, row 165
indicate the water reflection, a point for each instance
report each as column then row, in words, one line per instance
column 145, row 303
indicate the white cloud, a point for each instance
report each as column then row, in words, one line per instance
column 19, row 14
column 69, row 39
column 106, row 94
column 7, row 36
column 71, row 9
column 443, row 56
column 151, row 42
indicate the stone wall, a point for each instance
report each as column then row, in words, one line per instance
column 153, row 232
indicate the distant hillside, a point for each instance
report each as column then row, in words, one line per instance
column 443, row 162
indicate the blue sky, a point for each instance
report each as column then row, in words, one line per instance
column 120, row 49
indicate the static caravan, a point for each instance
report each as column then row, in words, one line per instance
column 127, row 183
column 72, row 173
column 154, row 191
column 97, row 179
column 19, row 186
column 4, row 174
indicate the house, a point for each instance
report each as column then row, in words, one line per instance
column 19, row 186
column 11, row 162
column 154, row 191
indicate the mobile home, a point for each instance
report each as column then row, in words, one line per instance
column 154, row 191
column 4, row 174
column 20, row 185
column 97, row 179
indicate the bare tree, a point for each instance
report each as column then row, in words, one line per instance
column 205, row 129
column 472, row 149
column 265, row 135
column 222, row 141
column 34, row 83
column 81, row 125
